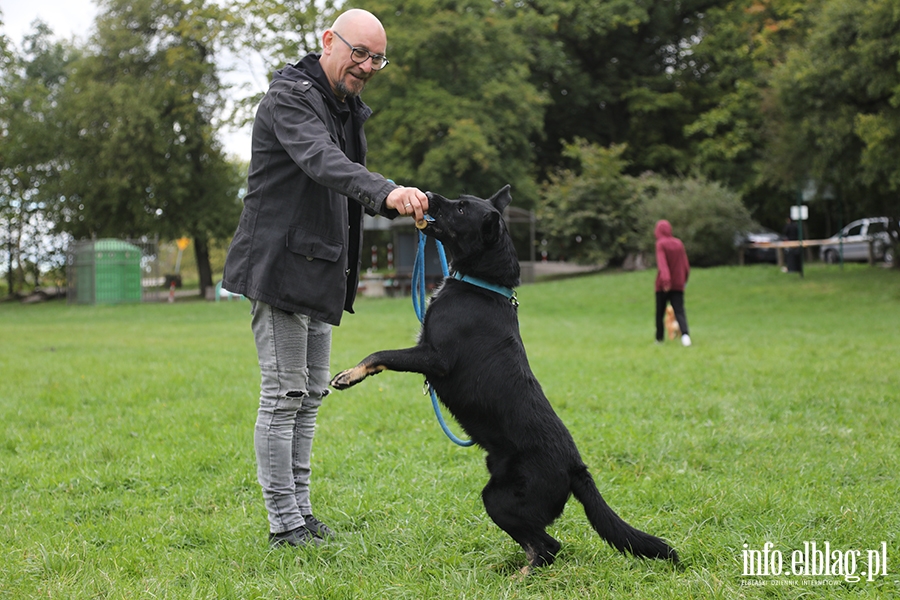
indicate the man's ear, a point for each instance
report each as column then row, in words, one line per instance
column 327, row 41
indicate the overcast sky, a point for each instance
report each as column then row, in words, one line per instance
column 73, row 19
column 67, row 18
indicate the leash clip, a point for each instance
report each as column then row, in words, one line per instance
column 426, row 388
column 514, row 300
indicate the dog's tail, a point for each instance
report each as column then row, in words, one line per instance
column 619, row 534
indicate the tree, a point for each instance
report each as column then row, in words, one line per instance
column 29, row 129
column 141, row 106
column 266, row 35
column 454, row 111
column 621, row 72
column 742, row 43
column 839, row 109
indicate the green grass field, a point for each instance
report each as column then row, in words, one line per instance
column 127, row 468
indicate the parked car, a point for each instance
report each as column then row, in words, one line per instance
column 757, row 255
column 856, row 237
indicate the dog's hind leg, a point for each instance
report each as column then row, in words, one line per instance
column 514, row 513
column 418, row 359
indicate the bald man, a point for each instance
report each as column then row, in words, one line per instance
column 296, row 253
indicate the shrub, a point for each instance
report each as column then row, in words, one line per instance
column 705, row 215
column 588, row 214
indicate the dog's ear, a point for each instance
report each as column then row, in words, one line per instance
column 502, row 198
column 490, row 228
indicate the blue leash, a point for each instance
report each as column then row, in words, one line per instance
column 418, row 300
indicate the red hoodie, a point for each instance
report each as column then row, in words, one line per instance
column 671, row 260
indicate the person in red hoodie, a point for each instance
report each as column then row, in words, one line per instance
column 672, row 275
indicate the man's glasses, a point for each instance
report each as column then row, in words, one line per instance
column 359, row 56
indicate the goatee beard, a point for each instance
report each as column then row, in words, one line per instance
column 344, row 90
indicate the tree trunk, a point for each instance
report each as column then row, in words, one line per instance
column 201, row 253
column 10, row 274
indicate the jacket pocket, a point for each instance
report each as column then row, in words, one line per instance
column 310, row 245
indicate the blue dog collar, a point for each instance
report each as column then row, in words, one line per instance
column 508, row 293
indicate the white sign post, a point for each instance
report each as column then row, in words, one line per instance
column 800, row 213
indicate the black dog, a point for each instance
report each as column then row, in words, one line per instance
column 470, row 350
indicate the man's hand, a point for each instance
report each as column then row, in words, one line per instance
column 408, row 201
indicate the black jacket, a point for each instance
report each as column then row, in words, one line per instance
column 298, row 244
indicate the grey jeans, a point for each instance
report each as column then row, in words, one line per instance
column 294, row 352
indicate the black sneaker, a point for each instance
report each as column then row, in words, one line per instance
column 295, row 537
column 317, row 527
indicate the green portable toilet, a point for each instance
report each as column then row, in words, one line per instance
column 107, row 271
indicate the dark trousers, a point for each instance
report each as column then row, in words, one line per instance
column 794, row 260
column 676, row 299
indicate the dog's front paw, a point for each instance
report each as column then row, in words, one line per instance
column 343, row 380
column 351, row 377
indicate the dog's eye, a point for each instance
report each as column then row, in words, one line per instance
column 460, row 208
